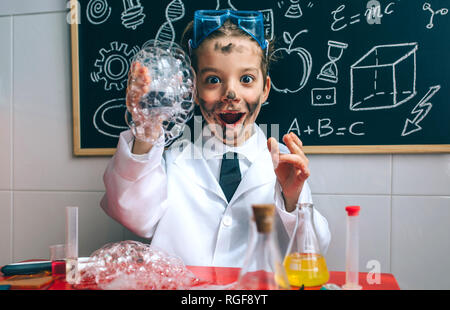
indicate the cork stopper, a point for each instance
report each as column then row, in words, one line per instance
column 263, row 215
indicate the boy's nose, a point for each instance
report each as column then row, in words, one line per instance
column 230, row 95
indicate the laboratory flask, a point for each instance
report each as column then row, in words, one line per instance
column 263, row 263
column 304, row 262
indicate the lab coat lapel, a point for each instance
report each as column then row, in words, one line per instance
column 259, row 173
column 194, row 166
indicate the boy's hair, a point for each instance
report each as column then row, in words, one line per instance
column 227, row 29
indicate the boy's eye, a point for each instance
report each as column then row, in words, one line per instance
column 246, row 79
column 212, row 80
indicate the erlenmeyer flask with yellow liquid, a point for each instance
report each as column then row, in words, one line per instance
column 304, row 263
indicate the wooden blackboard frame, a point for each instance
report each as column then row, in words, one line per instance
column 77, row 149
column 326, row 149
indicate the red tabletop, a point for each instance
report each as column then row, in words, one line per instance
column 225, row 275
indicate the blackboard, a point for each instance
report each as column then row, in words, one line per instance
column 353, row 76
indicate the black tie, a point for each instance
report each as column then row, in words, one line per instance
column 230, row 174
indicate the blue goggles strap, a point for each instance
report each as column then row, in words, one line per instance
column 208, row 21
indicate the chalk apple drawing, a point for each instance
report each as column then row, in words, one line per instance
column 295, row 63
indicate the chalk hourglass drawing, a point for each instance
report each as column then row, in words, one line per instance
column 329, row 71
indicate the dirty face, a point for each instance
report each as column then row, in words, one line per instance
column 230, row 86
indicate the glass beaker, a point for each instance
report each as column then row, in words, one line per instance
column 304, row 263
column 263, row 264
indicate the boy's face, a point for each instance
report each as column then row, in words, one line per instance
column 230, row 86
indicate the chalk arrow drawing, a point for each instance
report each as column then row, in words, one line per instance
column 421, row 110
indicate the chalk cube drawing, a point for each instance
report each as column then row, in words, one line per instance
column 383, row 78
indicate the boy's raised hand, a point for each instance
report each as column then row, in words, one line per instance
column 291, row 169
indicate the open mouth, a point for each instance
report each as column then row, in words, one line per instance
column 231, row 118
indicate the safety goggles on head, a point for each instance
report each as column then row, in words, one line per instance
column 208, row 21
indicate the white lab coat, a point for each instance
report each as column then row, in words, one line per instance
column 172, row 197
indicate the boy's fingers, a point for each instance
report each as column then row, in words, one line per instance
column 272, row 145
column 296, row 139
column 296, row 161
column 294, row 145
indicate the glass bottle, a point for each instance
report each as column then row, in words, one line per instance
column 304, row 263
column 263, row 264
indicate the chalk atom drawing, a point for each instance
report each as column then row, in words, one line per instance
column 427, row 7
column 375, row 81
column 98, row 11
column 113, row 65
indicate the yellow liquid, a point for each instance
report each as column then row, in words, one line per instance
column 306, row 269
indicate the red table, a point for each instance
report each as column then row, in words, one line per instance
column 225, row 275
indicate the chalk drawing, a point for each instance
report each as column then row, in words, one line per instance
column 374, row 82
column 427, row 7
column 174, row 11
column 229, row 5
column 113, row 65
column 98, row 11
column 132, row 15
column 329, row 71
column 421, row 110
column 292, row 58
column 294, row 10
column 373, row 12
column 105, row 118
column 323, row 96
column 373, row 15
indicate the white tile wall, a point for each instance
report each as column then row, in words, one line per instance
column 374, row 228
column 15, row 7
column 5, row 102
column 351, row 174
column 421, row 175
column 39, row 221
column 5, row 226
column 43, row 111
column 420, row 242
column 405, row 199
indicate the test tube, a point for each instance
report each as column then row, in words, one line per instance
column 352, row 250
column 72, row 275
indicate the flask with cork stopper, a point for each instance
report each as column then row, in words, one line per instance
column 263, row 264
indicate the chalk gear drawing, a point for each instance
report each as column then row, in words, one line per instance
column 113, row 66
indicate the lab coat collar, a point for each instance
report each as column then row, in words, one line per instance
column 214, row 148
column 192, row 162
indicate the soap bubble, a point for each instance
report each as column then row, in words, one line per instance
column 132, row 265
column 170, row 99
